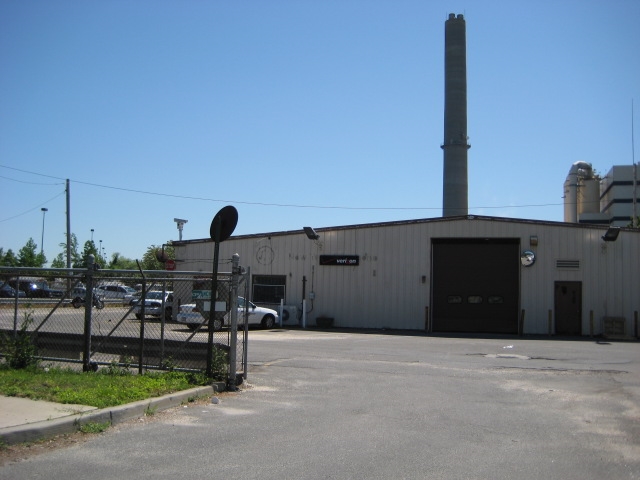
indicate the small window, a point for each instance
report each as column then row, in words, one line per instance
column 474, row 299
column 269, row 289
column 492, row 299
column 454, row 299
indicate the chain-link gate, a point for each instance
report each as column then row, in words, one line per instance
column 143, row 320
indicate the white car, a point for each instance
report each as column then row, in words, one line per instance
column 153, row 305
column 123, row 292
column 265, row 317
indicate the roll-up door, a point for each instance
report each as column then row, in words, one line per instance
column 476, row 285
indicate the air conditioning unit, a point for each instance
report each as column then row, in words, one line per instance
column 289, row 315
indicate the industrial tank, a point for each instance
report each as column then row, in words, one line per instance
column 581, row 192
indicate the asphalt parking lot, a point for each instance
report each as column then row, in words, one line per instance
column 363, row 405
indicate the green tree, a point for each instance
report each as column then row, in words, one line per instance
column 91, row 249
column 8, row 259
column 150, row 258
column 60, row 261
column 29, row 257
column 118, row 262
column 76, row 259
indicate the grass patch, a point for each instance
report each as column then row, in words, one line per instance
column 150, row 411
column 94, row 427
column 105, row 388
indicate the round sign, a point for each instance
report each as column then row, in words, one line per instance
column 225, row 222
column 170, row 264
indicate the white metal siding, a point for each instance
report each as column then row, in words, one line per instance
column 386, row 289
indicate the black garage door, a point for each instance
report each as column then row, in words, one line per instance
column 475, row 285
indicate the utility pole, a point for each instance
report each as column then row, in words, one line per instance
column 634, row 213
column 68, row 226
column 44, row 212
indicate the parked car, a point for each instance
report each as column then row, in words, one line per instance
column 78, row 292
column 135, row 298
column 193, row 318
column 115, row 291
column 153, row 305
column 8, row 291
column 31, row 288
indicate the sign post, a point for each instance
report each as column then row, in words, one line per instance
column 222, row 227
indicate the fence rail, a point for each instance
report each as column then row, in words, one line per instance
column 137, row 326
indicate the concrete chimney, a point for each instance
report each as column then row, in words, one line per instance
column 455, row 146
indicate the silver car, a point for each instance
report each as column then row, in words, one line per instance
column 193, row 318
column 110, row 291
column 153, row 305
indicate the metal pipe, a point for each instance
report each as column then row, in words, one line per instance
column 233, row 340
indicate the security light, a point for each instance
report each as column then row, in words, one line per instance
column 311, row 233
column 611, row 235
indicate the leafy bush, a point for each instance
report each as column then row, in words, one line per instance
column 219, row 363
column 19, row 350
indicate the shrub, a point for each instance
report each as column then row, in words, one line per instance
column 19, row 350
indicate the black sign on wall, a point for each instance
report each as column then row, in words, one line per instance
column 340, row 260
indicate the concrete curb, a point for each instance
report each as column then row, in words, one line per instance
column 50, row 428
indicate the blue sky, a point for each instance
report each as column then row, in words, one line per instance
column 319, row 113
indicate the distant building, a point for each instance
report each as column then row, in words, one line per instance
column 617, row 195
column 609, row 200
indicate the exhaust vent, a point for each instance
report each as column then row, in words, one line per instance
column 574, row 264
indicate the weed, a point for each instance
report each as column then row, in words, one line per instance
column 169, row 364
column 150, row 411
column 220, row 363
column 117, row 369
column 19, row 349
column 94, row 427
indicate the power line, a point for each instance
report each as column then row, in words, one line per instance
column 279, row 205
column 32, row 209
column 29, row 183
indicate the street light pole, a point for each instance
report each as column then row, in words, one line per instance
column 44, row 212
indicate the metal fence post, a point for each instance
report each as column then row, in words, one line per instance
column 233, row 305
column 15, row 308
column 88, row 310
column 245, row 338
column 143, row 313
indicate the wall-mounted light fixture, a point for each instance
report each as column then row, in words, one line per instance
column 533, row 241
column 611, row 234
column 311, row 233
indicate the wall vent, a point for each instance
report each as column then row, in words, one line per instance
column 614, row 327
column 567, row 263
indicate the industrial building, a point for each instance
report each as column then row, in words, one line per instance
column 451, row 274
column 609, row 200
column 456, row 273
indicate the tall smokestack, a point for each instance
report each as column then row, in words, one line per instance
column 455, row 146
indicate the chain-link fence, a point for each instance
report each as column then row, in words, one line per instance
column 140, row 319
